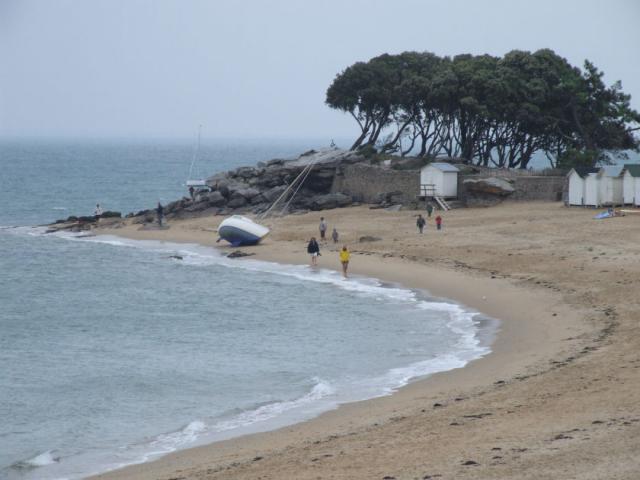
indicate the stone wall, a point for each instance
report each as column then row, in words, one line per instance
column 366, row 182
column 546, row 188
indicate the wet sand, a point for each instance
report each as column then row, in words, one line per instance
column 559, row 396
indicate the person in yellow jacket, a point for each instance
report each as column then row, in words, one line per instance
column 344, row 259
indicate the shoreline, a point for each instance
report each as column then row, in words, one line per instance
column 528, row 338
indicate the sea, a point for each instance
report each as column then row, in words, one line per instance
column 114, row 352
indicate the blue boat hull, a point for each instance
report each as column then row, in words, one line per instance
column 237, row 237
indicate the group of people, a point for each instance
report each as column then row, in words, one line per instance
column 313, row 247
column 421, row 223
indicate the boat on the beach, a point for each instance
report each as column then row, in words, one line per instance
column 241, row 231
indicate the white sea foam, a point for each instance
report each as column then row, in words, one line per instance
column 323, row 395
column 196, row 430
column 41, row 460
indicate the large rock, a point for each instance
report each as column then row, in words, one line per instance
column 236, row 200
column 248, row 193
column 216, row 199
column 272, row 194
column 488, row 186
column 330, row 200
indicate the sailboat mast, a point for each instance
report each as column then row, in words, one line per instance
column 196, row 154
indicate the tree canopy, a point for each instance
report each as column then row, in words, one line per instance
column 492, row 111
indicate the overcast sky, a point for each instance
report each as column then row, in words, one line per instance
column 260, row 68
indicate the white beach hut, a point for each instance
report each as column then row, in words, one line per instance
column 592, row 190
column 610, row 185
column 576, row 183
column 631, row 184
column 439, row 178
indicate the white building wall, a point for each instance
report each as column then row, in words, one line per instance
column 450, row 184
column 432, row 176
column 636, row 189
column 592, row 190
column 576, row 189
column 628, row 188
column 610, row 190
column 445, row 183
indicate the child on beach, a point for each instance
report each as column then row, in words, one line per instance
column 323, row 228
column 420, row 223
column 313, row 249
column 439, row 222
column 344, row 260
column 334, row 235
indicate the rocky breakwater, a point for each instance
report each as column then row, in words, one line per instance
column 255, row 189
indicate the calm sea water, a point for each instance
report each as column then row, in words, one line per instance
column 113, row 353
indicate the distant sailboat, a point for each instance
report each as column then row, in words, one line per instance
column 194, row 179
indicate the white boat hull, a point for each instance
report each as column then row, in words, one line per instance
column 240, row 231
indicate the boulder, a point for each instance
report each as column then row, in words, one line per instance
column 275, row 161
column 216, row 199
column 248, row 193
column 488, row 186
column 272, row 194
column 194, row 207
column 330, row 200
column 236, row 200
column 244, row 172
column 111, row 214
column 258, row 199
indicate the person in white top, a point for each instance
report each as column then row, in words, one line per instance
column 98, row 211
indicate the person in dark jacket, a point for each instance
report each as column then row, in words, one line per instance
column 160, row 213
column 313, row 249
column 420, row 223
column 429, row 210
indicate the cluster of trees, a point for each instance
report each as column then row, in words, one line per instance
column 492, row 111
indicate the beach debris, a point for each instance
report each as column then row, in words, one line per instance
column 470, row 463
column 239, row 254
column 438, row 405
column 394, row 208
column 368, row 238
column 177, row 257
column 153, row 226
column 256, row 459
column 478, row 415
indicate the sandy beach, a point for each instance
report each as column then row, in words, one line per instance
column 559, row 396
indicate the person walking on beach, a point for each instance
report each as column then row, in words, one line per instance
column 98, row 211
column 439, row 222
column 323, row 229
column 159, row 212
column 313, row 249
column 334, row 235
column 192, row 192
column 344, row 260
column 420, row 223
column 429, row 210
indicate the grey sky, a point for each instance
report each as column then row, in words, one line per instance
column 142, row 68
